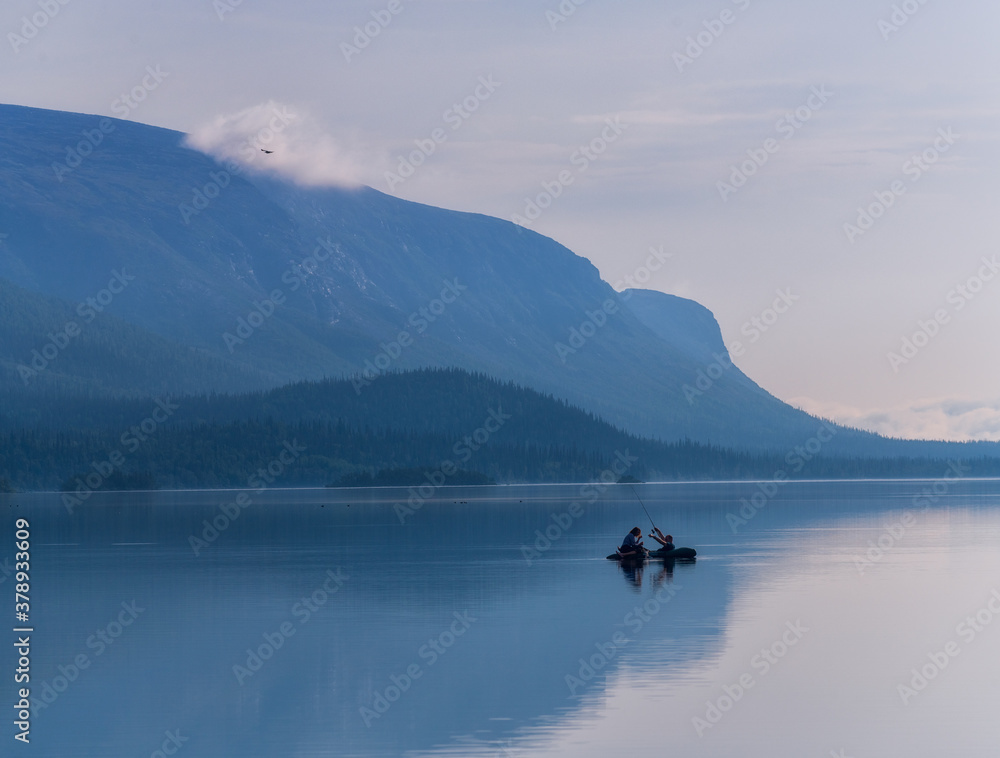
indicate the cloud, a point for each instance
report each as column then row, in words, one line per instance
column 301, row 152
column 954, row 419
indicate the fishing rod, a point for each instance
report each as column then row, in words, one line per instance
column 643, row 506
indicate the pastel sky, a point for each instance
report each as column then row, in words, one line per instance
column 844, row 153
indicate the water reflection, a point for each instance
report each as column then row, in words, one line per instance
column 447, row 637
column 660, row 571
column 633, row 573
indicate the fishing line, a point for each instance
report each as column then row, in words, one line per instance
column 643, row 505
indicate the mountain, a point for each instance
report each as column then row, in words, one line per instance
column 42, row 356
column 684, row 325
column 278, row 283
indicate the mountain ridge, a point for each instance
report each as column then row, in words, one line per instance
column 522, row 307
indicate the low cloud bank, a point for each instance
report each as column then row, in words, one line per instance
column 299, row 150
column 953, row 419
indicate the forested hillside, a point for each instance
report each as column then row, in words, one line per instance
column 430, row 419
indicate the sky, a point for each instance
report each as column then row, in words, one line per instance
column 822, row 176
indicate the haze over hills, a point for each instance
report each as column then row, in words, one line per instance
column 420, row 425
column 108, row 355
column 211, row 280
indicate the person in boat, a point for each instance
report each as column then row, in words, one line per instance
column 667, row 542
column 632, row 544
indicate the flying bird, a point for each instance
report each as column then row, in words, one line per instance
column 266, row 151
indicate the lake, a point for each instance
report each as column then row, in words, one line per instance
column 819, row 619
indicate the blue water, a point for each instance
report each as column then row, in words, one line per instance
column 315, row 623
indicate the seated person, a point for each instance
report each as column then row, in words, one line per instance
column 667, row 542
column 632, row 544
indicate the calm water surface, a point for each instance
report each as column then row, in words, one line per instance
column 316, row 624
